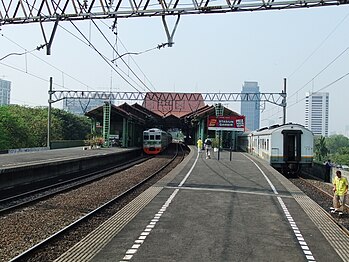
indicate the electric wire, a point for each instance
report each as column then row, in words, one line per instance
column 318, row 47
column 321, row 71
column 320, row 89
column 18, row 54
column 308, row 57
column 119, row 40
column 42, row 60
column 93, row 47
column 120, row 56
column 104, row 58
column 89, row 45
column 114, row 50
column 33, row 75
column 324, row 87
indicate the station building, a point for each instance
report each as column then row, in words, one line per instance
column 184, row 115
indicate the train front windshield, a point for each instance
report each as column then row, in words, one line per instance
column 147, row 137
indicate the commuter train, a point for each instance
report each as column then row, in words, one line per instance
column 288, row 148
column 155, row 141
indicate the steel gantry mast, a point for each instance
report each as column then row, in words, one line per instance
column 39, row 11
column 273, row 98
column 278, row 99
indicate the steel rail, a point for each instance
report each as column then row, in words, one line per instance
column 330, row 196
column 85, row 179
column 26, row 254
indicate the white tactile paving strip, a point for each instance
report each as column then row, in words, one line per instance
column 309, row 256
column 331, row 231
column 86, row 249
column 97, row 239
column 137, row 243
column 307, row 252
column 337, row 238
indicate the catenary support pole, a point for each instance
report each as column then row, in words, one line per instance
column 284, row 102
column 49, row 115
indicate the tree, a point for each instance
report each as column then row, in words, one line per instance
column 335, row 142
column 22, row 126
column 321, row 149
column 13, row 131
column 342, row 156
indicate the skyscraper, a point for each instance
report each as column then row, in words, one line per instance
column 316, row 113
column 251, row 109
column 5, row 91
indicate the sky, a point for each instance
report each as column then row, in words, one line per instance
column 211, row 53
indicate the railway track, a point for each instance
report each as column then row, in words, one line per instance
column 15, row 201
column 322, row 194
column 44, row 230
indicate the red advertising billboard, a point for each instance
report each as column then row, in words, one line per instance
column 227, row 123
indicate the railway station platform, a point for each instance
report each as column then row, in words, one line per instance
column 27, row 167
column 237, row 209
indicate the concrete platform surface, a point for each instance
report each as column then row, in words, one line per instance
column 210, row 210
column 46, row 156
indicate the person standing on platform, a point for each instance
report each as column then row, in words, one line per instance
column 340, row 189
column 199, row 143
column 328, row 169
column 208, row 147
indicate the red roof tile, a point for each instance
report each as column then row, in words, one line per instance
column 177, row 104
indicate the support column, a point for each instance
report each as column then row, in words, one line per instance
column 202, row 128
column 124, row 132
column 106, row 123
column 284, row 104
column 49, row 115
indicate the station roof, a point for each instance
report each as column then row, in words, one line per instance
column 146, row 111
column 176, row 104
column 208, row 110
column 116, row 113
column 147, row 117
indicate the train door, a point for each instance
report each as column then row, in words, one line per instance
column 292, row 145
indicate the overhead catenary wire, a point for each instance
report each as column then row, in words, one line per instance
column 121, row 56
column 42, row 60
column 324, row 87
column 321, row 71
column 318, row 47
column 104, row 58
column 33, row 75
column 89, row 45
column 320, row 89
column 114, row 51
column 99, row 53
column 18, row 54
column 119, row 40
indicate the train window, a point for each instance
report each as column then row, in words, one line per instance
column 157, row 137
column 151, row 137
column 146, row 137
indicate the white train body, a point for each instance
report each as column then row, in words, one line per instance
column 286, row 147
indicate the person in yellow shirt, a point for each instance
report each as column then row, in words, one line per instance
column 340, row 189
column 199, row 143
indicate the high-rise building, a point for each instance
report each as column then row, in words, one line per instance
column 251, row 109
column 5, row 92
column 81, row 106
column 346, row 131
column 316, row 113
